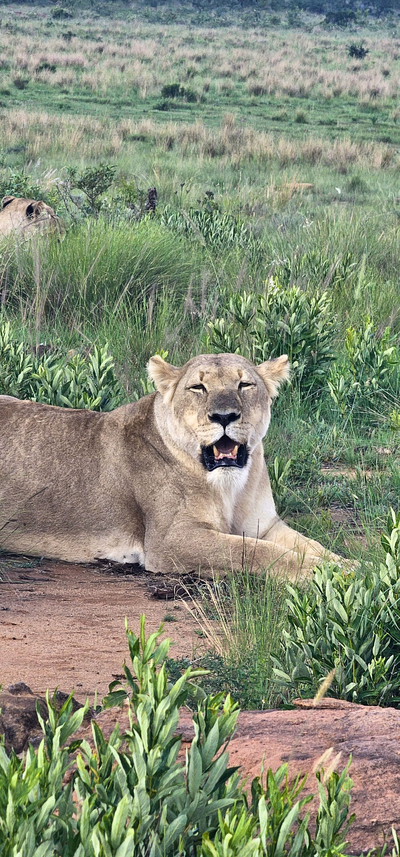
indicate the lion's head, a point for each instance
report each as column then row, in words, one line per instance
column 217, row 406
column 27, row 216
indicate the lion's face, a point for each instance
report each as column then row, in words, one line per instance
column 27, row 216
column 218, row 407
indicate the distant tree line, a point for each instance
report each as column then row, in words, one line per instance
column 336, row 12
column 342, row 12
column 339, row 12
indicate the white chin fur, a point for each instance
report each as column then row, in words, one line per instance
column 222, row 477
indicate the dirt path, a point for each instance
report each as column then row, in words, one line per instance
column 63, row 625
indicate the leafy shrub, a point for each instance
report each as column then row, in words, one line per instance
column 349, row 623
column 135, row 798
column 281, row 321
column 93, row 182
column 19, row 184
column 341, row 17
column 175, row 90
column 368, row 375
column 61, row 14
column 20, row 82
column 71, row 382
column 214, row 229
column 357, row 51
column 356, row 184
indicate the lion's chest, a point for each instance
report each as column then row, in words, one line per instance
column 227, row 486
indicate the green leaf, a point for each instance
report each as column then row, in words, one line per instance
column 119, row 821
column 195, row 770
column 285, row 829
column 174, row 830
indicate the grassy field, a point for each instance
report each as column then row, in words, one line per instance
column 276, row 160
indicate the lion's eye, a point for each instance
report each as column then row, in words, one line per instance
column 198, row 388
column 245, row 384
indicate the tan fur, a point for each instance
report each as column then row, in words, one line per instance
column 130, row 485
column 299, row 187
column 27, row 217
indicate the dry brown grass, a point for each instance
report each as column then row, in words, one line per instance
column 233, row 141
column 266, row 62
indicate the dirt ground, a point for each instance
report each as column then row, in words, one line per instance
column 63, row 625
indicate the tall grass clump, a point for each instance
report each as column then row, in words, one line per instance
column 96, row 269
column 356, row 265
column 242, row 619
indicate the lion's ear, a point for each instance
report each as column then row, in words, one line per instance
column 6, row 201
column 274, row 372
column 164, row 375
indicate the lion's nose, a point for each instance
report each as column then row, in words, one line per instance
column 224, row 419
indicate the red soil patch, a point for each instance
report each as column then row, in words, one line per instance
column 63, row 625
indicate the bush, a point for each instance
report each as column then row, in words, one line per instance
column 60, row 14
column 54, row 379
column 93, row 182
column 175, row 90
column 19, row 184
column 130, row 796
column 368, row 375
column 20, row 82
column 357, row 52
column 341, row 17
column 214, row 229
column 280, row 321
column 347, row 625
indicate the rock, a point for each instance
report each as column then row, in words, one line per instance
column 18, row 717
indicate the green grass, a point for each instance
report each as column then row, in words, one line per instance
column 242, row 619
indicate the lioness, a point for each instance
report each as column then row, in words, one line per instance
column 27, row 216
column 176, row 481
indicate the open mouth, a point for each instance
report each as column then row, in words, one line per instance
column 224, row 453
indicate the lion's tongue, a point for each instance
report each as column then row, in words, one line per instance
column 225, row 448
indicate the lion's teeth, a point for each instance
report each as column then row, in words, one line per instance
column 218, row 454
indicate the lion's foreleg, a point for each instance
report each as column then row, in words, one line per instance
column 212, row 551
column 287, row 538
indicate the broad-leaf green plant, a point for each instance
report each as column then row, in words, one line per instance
column 348, row 622
column 70, row 381
column 368, row 375
column 282, row 320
